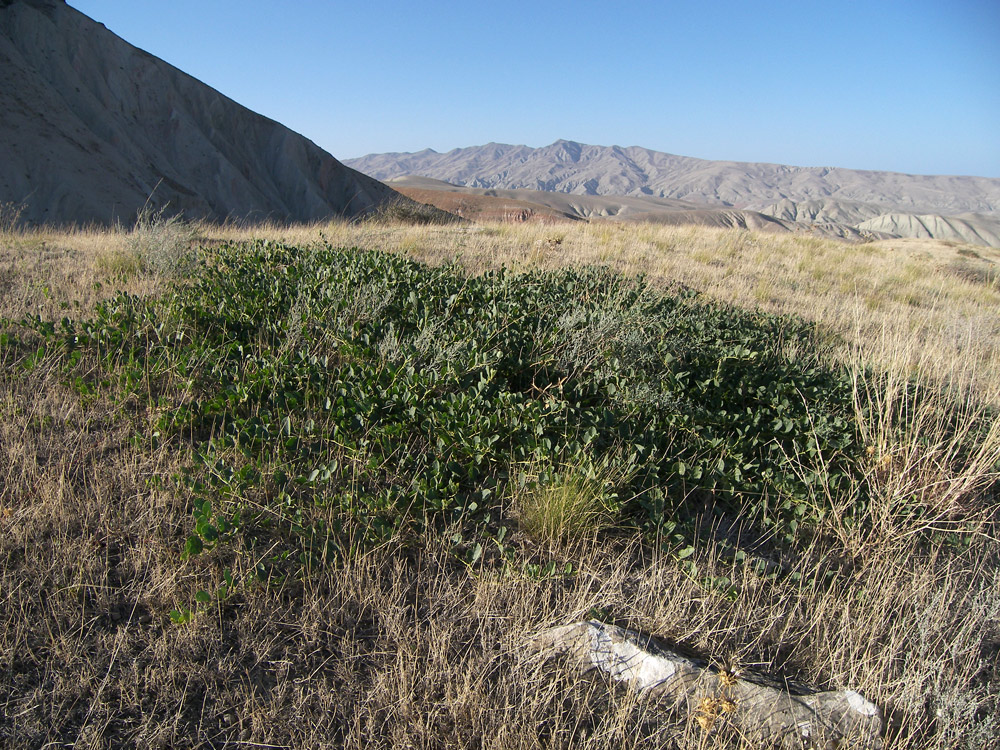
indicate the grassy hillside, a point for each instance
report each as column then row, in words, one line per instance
column 318, row 486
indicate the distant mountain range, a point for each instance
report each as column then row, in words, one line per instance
column 91, row 127
column 833, row 201
column 570, row 167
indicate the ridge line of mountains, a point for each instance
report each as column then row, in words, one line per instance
column 640, row 184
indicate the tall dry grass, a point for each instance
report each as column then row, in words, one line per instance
column 411, row 646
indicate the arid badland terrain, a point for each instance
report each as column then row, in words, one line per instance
column 313, row 466
column 577, row 181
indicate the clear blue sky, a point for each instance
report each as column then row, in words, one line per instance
column 903, row 85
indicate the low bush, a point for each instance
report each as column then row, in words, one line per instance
column 161, row 244
column 333, row 399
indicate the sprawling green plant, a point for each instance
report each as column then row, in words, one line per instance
column 332, row 398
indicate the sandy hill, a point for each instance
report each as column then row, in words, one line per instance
column 90, row 126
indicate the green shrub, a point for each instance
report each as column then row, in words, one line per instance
column 334, row 398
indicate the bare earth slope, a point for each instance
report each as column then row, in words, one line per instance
column 976, row 230
column 548, row 207
column 90, row 126
column 571, row 205
column 823, row 211
column 539, row 205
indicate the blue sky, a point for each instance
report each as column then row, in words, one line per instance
column 908, row 85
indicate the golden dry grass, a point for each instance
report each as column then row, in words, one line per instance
column 410, row 646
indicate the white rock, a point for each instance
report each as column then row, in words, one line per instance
column 757, row 706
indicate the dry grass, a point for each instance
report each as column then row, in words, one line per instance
column 408, row 646
column 568, row 508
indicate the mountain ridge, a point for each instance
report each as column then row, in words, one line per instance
column 571, row 167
